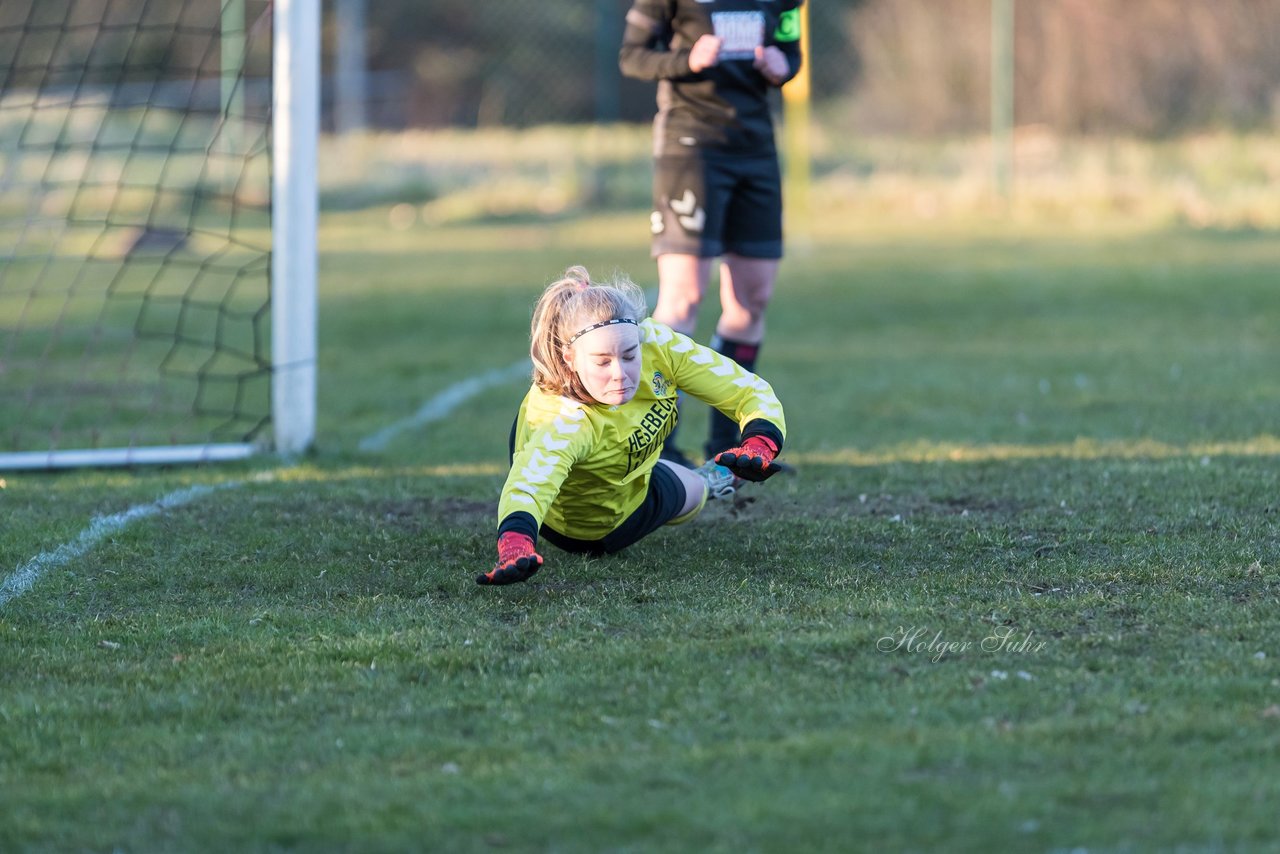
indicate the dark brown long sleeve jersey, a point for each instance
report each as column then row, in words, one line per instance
column 724, row 108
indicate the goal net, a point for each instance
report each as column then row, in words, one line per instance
column 148, row 172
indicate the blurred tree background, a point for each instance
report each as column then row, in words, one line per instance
column 509, row 107
column 1137, row 67
column 1149, row 68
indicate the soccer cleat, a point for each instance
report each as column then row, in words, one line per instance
column 719, row 480
column 517, row 560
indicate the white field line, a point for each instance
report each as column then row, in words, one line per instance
column 104, row 526
column 435, row 409
column 444, row 403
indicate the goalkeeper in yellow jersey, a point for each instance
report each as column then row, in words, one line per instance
column 585, row 473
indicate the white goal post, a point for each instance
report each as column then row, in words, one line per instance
column 147, row 304
column 296, row 98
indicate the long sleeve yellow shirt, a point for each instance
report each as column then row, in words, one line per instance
column 582, row 468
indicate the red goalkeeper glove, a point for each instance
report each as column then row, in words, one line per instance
column 752, row 460
column 516, row 560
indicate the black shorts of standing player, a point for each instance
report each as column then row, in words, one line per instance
column 662, row 505
column 708, row 204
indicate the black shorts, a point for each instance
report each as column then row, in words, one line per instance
column 706, row 204
column 662, row 503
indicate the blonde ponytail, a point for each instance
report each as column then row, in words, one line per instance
column 568, row 305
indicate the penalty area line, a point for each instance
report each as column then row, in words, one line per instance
column 104, row 526
column 444, row 403
column 435, row 409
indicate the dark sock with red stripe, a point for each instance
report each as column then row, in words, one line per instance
column 724, row 431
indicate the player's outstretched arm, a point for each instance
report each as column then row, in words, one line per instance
column 517, row 560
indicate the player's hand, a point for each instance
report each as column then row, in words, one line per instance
column 772, row 63
column 752, row 460
column 516, row 560
column 704, row 53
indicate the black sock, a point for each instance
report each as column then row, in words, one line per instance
column 724, row 430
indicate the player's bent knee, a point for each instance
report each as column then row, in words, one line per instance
column 691, row 514
column 682, row 318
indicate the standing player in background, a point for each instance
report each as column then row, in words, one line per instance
column 585, row 473
column 717, row 187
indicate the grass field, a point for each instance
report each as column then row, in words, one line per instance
column 1021, row 595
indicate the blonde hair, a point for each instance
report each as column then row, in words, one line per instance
column 565, row 308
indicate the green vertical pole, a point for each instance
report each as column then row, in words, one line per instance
column 231, row 71
column 1002, row 59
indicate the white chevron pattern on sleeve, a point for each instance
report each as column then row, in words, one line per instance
column 542, row 461
column 727, row 366
column 540, row 465
column 752, row 382
column 562, row 427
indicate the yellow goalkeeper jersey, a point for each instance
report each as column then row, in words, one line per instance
column 584, row 468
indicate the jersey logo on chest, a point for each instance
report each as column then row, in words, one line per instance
column 651, row 432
